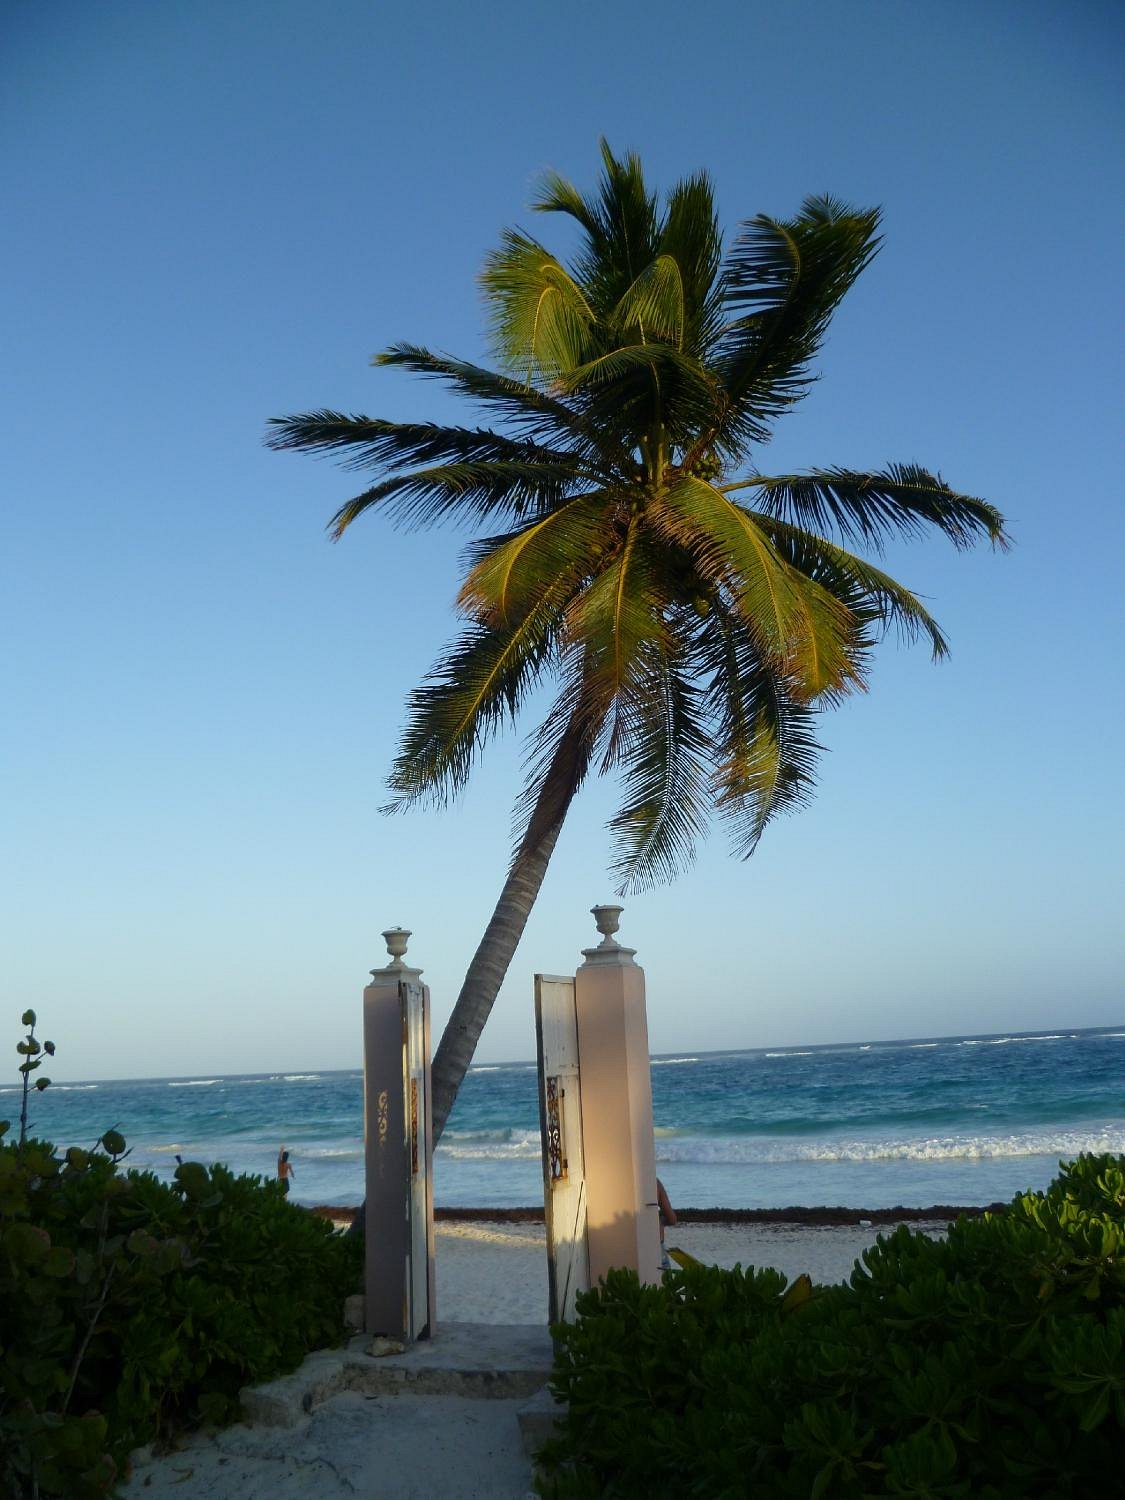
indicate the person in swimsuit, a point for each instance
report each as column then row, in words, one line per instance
column 284, row 1169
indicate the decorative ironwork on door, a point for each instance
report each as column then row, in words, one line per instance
column 555, row 1144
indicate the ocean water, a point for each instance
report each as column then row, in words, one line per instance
column 961, row 1120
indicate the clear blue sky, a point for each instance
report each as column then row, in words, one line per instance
column 215, row 213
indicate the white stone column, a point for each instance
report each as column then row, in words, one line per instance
column 398, row 1273
column 623, row 1224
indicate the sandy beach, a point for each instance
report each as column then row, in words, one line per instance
column 495, row 1272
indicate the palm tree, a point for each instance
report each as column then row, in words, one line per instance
column 694, row 612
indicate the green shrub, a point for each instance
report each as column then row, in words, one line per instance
column 990, row 1363
column 129, row 1307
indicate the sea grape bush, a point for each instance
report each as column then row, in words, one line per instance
column 59, row 1263
column 991, row 1364
column 130, row 1307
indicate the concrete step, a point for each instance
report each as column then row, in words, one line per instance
column 490, row 1361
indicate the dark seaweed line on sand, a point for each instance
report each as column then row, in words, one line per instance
column 812, row 1217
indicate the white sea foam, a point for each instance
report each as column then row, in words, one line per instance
column 914, row 1046
column 1003, row 1041
column 56, row 1088
column 674, row 1146
column 516, row 1145
column 1061, row 1143
column 668, row 1062
column 788, row 1054
column 195, row 1083
column 301, row 1077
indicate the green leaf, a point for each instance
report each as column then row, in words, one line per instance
column 902, row 500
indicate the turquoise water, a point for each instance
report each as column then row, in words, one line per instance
column 961, row 1120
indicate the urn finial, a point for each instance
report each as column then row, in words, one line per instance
column 396, row 939
column 609, row 950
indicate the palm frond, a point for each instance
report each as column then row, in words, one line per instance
column 783, row 279
column 462, row 492
column 540, row 319
column 634, row 386
column 621, row 227
column 667, row 772
column 370, row 442
column 615, row 618
column 764, row 746
column 477, row 684
column 510, row 573
column 555, row 194
column 806, row 634
column 867, row 590
column 691, row 237
column 903, row 500
column 530, row 411
column 653, row 307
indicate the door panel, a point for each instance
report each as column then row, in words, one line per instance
column 418, row 1157
column 560, row 1123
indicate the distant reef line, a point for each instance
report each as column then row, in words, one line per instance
column 812, row 1217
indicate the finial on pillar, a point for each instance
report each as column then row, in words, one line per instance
column 396, row 939
column 609, row 950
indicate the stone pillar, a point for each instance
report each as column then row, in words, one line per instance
column 398, row 1279
column 623, row 1225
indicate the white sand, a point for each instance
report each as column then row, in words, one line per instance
column 497, row 1273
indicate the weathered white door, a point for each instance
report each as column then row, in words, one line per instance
column 560, row 1124
column 419, row 1312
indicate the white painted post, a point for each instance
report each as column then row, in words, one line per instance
column 623, row 1224
column 398, row 1150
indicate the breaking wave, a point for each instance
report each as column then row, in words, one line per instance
column 1061, row 1144
column 487, row 1145
column 1003, row 1041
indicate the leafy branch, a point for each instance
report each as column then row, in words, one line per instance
column 34, row 1054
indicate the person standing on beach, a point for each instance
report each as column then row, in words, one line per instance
column 667, row 1216
column 284, row 1168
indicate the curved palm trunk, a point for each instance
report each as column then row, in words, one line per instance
column 501, row 938
column 486, row 973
